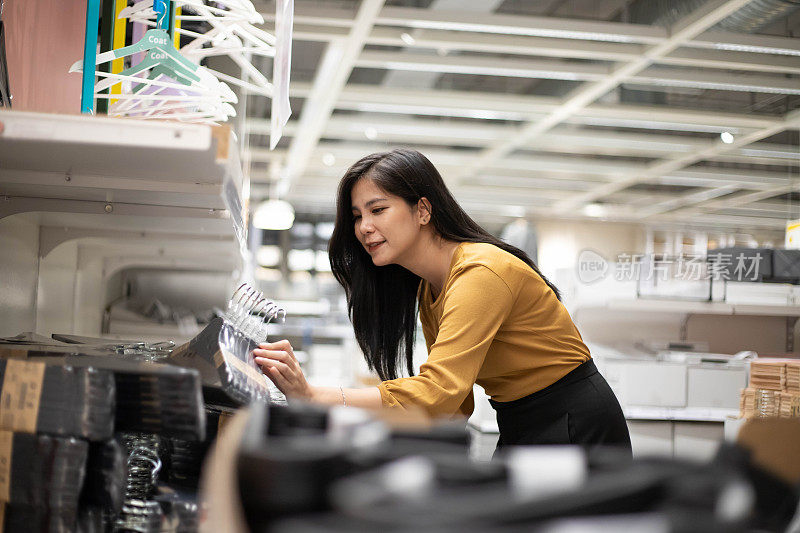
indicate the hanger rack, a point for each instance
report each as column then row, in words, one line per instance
column 223, row 351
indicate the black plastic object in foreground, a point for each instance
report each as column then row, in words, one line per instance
column 289, row 472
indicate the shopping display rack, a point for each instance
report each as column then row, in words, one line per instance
column 223, row 351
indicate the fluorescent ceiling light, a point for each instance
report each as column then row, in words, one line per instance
column 408, row 39
column 273, row 215
column 594, row 210
column 268, row 256
column 756, row 49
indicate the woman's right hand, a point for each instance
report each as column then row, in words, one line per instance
column 278, row 362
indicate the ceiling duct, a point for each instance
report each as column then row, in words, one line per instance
column 758, row 14
column 748, row 19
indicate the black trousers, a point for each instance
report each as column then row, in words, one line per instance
column 579, row 408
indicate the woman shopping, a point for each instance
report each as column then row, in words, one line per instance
column 402, row 245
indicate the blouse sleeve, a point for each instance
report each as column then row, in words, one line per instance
column 475, row 305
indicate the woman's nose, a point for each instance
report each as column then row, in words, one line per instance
column 366, row 227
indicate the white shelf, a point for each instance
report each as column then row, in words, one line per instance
column 689, row 414
column 684, row 414
column 698, row 308
column 98, row 176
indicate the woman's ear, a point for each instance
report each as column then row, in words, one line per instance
column 424, row 210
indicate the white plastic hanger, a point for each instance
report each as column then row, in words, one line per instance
column 232, row 34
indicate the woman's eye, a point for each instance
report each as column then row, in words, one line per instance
column 356, row 218
column 378, row 210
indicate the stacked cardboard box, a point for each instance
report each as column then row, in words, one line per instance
column 774, row 389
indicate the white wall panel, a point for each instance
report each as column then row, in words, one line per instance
column 56, row 294
column 19, row 266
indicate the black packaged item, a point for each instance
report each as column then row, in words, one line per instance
column 786, row 265
column 150, row 397
column 160, row 398
column 57, row 399
column 106, row 477
column 26, row 519
column 740, row 264
column 224, row 358
column 94, row 520
column 41, row 476
column 185, row 461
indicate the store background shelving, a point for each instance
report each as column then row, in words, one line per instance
column 99, row 196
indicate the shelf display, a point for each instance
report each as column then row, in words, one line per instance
column 222, row 352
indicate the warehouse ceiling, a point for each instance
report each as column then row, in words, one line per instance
column 672, row 113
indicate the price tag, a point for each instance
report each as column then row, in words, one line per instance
column 22, row 391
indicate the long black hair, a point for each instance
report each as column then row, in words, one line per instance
column 382, row 301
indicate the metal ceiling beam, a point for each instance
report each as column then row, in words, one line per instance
column 666, row 166
column 483, row 105
column 685, row 29
column 549, row 27
column 449, row 161
column 561, row 139
column 728, row 221
column 331, row 77
column 738, row 200
column 448, row 41
column 658, row 78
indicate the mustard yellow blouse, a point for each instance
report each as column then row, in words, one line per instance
column 496, row 323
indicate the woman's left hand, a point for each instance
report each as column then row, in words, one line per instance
column 278, row 362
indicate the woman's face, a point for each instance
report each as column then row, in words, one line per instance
column 385, row 225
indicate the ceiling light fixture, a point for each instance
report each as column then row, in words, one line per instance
column 726, row 136
column 408, row 39
column 371, row 133
column 329, row 159
column 594, row 210
column 273, row 215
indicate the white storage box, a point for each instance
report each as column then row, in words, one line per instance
column 720, row 386
column 647, row 384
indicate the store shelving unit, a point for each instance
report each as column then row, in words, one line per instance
column 162, row 176
column 130, row 193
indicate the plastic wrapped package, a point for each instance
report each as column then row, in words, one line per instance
column 41, row 478
column 106, row 477
column 56, row 399
column 150, row 397
column 223, row 356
